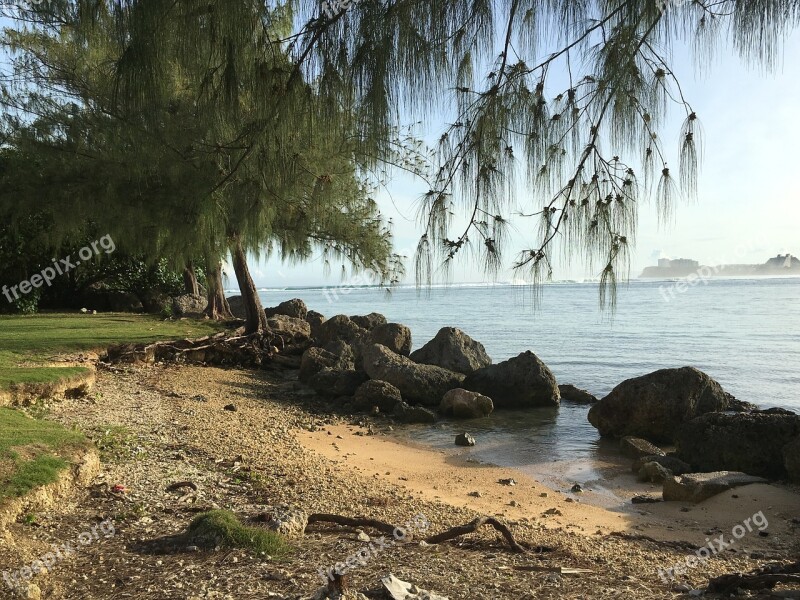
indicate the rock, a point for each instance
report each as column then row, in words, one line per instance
column 520, row 382
column 675, row 465
column 413, row 414
column 465, row 439
column 290, row 327
column 189, row 305
column 645, row 499
column 749, row 442
column 654, row 406
column 370, row 321
column 396, row 589
column 463, row 404
column 315, row 319
column 333, row 383
column 127, row 302
column 696, row 487
column 295, row 308
column 637, row 447
column 394, row 336
column 377, row 393
column 340, row 328
column 791, row 459
column 575, row 395
column 454, row 350
column 289, row 521
column 653, row 472
column 418, row 383
column 236, row 304
column 316, row 359
column 155, row 301
column 231, row 408
column 577, row 489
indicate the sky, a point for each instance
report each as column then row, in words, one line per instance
column 747, row 207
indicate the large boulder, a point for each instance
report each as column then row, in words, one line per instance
column 454, row 350
column 394, row 336
column 316, row 359
column 340, row 328
column 749, row 442
column 419, row 383
column 696, row 487
column 520, row 382
column 791, row 459
column 413, row 414
column 576, row 395
column 189, row 305
column 370, row 321
column 291, row 308
column 335, row 383
column 290, row 328
column 236, row 304
column 377, row 393
column 463, row 404
column 315, row 319
column 654, row 406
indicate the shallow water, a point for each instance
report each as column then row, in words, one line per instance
column 744, row 333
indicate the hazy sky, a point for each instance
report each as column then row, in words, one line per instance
column 747, row 208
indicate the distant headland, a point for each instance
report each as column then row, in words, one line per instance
column 778, row 265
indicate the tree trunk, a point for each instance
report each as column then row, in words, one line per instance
column 190, row 279
column 256, row 318
column 218, row 308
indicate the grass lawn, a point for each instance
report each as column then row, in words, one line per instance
column 32, row 452
column 27, row 342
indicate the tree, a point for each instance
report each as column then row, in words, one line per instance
column 569, row 97
column 160, row 155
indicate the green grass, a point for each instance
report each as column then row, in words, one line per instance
column 29, row 341
column 32, row 452
column 222, row 528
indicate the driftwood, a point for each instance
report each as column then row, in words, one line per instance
column 766, row 577
column 445, row 536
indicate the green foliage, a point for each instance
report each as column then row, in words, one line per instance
column 222, row 528
column 32, row 452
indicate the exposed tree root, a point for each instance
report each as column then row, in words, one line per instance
column 766, row 577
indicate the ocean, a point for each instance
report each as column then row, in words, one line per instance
column 743, row 332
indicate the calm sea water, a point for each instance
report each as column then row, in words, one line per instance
column 744, row 333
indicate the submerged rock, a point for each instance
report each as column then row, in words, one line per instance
column 753, row 442
column 465, row 439
column 696, row 487
column 520, row 382
column 576, row 395
column 463, row 404
column 419, row 383
column 655, row 406
column 454, row 350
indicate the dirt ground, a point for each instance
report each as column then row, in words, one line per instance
column 161, row 425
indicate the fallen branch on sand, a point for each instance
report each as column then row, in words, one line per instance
column 445, row 536
column 766, row 577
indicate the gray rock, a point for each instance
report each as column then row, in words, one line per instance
column 295, row 308
column 394, row 336
column 413, row 414
column 637, row 447
column 377, row 393
column 290, row 328
column 236, row 304
column 520, row 382
column 418, row 383
column 340, row 328
column 749, row 442
column 315, row 319
column 791, row 456
column 655, row 406
column 465, row 439
column 370, row 321
column 463, row 404
column 316, row 359
column 675, row 465
column 653, row 472
column 395, row 589
column 645, row 499
column 334, row 383
column 575, row 395
column 454, row 350
column 189, row 305
column 696, row 487
column 289, row 521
